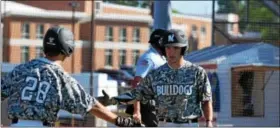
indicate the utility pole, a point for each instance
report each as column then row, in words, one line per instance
column 162, row 14
column 213, row 23
column 1, row 40
column 92, row 54
column 74, row 5
column 92, row 34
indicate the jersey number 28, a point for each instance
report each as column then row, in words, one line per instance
column 28, row 91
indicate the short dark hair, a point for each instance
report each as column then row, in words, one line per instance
column 51, row 52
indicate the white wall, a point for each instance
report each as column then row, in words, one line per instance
column 271, row 117
column 100, row 82
column 272, row 99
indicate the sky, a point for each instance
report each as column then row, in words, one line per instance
column 193, row 7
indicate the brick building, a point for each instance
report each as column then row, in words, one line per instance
column 120, row 33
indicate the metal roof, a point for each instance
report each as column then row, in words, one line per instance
column 13, row 8
column 211, row 54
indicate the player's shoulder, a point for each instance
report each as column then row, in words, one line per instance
column 28, row 64
column 145, row 59
column 151, row 52
column 160, row 69
column 195, row 66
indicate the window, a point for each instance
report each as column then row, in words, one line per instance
column 193, row 44
column 230, row 27
column 109, row 34
column 122, row 35
column 136, row 35
column 135, row 56
column 98, row 6
column 122, row 55
column 194, row 31
column 202, row 33
column 24, row 54
column 25, row 32
column 40, row 31
column 39, row 52
column 108, row 57
column 248, row 93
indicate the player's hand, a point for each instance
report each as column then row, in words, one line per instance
column 105, row 99
column 127, row 122
column 137, row 116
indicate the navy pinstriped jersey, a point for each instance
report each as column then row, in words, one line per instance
column 38, row 89
column 178, row 92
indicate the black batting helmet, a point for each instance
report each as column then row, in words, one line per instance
column 175, row 37
column 156, row 35
column 59, row 40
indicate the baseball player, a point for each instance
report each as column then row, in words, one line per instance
column 38, row 89
column 151, row 59
column 179, row 87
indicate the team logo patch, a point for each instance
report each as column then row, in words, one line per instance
column 171, row 38
column 51, row 39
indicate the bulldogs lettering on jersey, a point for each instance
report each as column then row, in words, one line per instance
column 174, row 90
column 178, row 92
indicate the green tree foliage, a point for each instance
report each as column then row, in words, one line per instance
column 175, row 11
column 258, row 18
column 227, row 6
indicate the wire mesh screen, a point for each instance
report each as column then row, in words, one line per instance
column 248, row 94
column 247, row 21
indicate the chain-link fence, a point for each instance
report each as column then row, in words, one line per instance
column 247, row 21
column 243, row 24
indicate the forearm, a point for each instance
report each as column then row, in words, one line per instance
column 102, row 112
column 208, row 110
column 136, row 106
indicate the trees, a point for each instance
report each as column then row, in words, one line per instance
column 227, row 6
column 254, row 17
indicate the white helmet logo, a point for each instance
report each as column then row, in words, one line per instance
column 171, row 38
column 51, row 39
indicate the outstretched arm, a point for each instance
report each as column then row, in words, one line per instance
column 102, row 112
column 77, row 101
